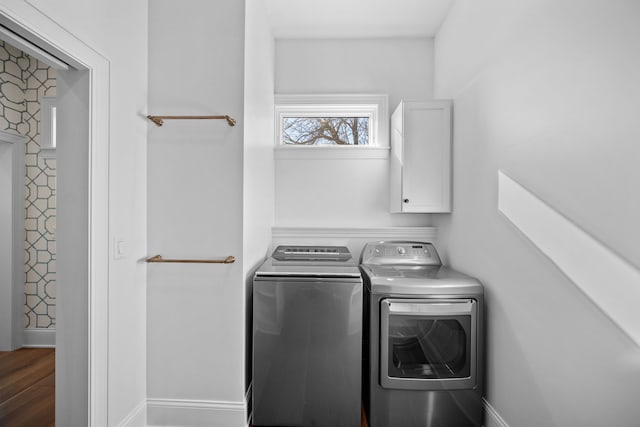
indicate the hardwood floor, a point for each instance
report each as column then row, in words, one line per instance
column 27, row 388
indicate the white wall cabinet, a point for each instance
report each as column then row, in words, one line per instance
column 420, row 170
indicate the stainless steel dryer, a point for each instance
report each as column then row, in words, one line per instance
column 423, row 341
column 307, row 338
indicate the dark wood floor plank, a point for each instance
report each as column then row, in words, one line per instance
column 27, row 388
column 12, row 360
column 24, row 370
column 33, row 407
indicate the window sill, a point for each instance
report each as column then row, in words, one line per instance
column 332, row 152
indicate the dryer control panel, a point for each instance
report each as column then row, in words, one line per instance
column 400, row 253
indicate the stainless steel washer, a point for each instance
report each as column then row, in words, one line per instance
column 423, row 342
column 307, row 338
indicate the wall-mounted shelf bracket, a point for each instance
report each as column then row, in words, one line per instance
column 159, row 120
column 228, row 260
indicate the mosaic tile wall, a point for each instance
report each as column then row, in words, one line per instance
column 23, row 82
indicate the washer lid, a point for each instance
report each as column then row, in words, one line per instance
column 310, row 261
column 273, row 268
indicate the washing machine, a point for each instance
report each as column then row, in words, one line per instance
column 423, row 341
column 307, row 338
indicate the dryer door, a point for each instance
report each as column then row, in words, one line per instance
column 428, row 344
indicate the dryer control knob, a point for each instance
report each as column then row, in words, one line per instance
column 401, row 250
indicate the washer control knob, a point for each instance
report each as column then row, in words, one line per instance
column 401, row 250
column 406, row 200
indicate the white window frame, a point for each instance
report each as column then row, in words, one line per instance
column 48, row 106
column 374, row 106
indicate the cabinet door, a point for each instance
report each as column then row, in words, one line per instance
column 423, row 148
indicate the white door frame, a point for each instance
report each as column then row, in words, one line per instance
column 27, row 21
column 12, row 245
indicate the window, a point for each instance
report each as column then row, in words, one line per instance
column 326, row 129
column 314, row 124
column 48, row 127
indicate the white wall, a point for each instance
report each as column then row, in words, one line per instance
column 258, row 134
column 546, row 91
column 258, row 189
column 196, row 312
column 401, row 68
column 347, row 192
column 92, row 25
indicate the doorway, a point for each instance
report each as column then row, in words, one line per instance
column 82, row 218
column 27, row 97
column 27, row 112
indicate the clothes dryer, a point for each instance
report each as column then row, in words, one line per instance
column 423, row 340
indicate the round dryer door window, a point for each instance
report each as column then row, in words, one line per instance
column 428, row 344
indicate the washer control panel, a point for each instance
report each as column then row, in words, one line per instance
column 311, row 253
column 401, row 253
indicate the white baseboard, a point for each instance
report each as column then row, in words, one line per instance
column 137, row 417
column 195, row 413
column 39, row 338
column 191, row 413
column 492, row 418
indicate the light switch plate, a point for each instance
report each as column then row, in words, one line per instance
column 119, row 247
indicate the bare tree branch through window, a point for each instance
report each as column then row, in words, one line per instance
column 326, row 130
